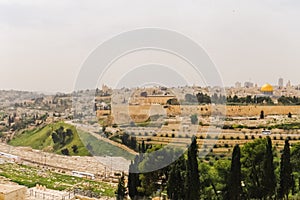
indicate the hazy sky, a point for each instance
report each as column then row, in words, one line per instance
column 43, row 43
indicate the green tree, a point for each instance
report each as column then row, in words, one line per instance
column 285, row 172
column 65, row 151
column 133, row 179
column 269, row 178
column 262, row 115
column 192, row 182
column 121, row 190
column 194, row 119
column 234, row 182
column 252, row 158
column 175, row 185
column 295, row 162
column 75, row 148
column 144, row 149
column 220, row 175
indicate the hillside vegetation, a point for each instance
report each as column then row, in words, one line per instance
column 60, row 138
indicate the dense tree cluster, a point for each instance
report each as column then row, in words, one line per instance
column 249, row 100
column 251, row 173
column 202, row 98
column 173, row 101
column 129, row 141
column 289, row 100
column 62, row 137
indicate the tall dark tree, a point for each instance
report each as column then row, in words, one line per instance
column 144, row 149
column 269, row 178
column 192, row 183
column 121, row 190
column 175, row 185
column 234, row 183
column 133, row 178
column 285, row 172
column 262, row 115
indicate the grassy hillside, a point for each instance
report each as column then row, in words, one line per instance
column 100, row 148
column 42, row 138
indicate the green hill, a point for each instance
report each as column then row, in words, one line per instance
column 60, row 138
column 100, row 148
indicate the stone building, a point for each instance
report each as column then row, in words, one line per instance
column 12, row 192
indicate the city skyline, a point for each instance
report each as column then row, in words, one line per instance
column 43, row 45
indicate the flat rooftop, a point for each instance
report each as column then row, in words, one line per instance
column 6, row 188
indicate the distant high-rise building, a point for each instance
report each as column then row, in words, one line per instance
column 288, row 84
column 238, row 84
column 280, row 82
column 248, row 84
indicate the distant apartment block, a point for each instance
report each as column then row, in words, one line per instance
column 280, row 82
column 238, row 84
column 248, row 84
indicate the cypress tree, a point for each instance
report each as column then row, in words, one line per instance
column 175, row 185
column 143, row 147
column 192, row 183
column 262, row 114
column 121, row 191
column 285, row 172
column 133, row 179
column 269, row 178
column 234, row 183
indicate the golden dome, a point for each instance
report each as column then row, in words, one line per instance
column 266, row 88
